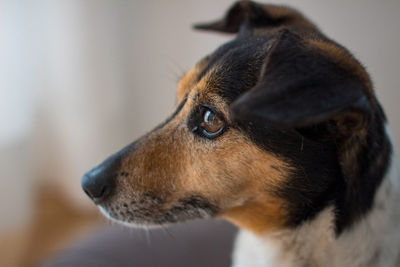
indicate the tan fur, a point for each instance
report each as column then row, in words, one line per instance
column 258, row 216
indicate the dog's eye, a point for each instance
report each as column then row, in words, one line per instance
column 212, row 125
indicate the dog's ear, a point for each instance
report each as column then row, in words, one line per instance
column 300, row 86
column 246, row 15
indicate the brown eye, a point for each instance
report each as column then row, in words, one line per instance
column 212, row 125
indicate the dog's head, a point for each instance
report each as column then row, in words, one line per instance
column 269, row 129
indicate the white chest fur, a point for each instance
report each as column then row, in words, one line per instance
column 374, row 241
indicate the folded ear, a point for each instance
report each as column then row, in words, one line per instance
column 245, row 15
column 300, row 86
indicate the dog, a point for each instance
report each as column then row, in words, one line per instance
column 277, row 131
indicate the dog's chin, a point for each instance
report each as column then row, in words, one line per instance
column 130, row 223
column 153, row 212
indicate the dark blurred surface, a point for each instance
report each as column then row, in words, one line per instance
column 198, row 243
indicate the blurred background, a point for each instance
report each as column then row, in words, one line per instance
column 80, row 79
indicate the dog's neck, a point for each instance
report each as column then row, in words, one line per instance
column 373, row 240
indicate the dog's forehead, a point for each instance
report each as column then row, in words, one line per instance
column 229, row 71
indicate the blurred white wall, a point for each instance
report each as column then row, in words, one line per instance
column 81, row 79
column 17, row 59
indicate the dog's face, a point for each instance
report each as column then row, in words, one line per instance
column 259, row 135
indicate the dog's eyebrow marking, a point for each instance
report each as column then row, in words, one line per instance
column 186, row 82
column 190, row 78
column 176, row 112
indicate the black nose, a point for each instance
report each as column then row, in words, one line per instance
column 99, row 182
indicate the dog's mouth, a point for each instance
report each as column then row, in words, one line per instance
column 151, row 210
